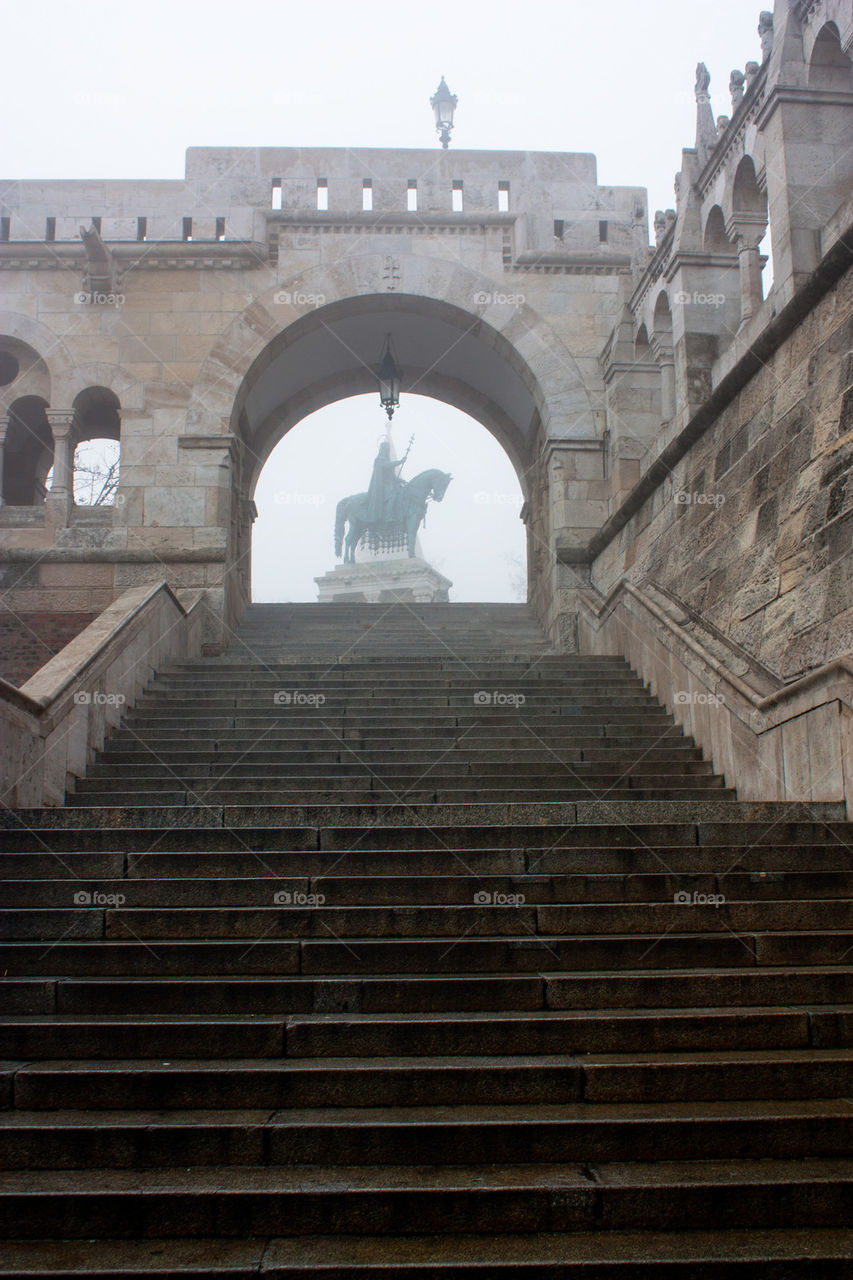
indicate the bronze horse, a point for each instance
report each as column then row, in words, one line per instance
column 414, row 497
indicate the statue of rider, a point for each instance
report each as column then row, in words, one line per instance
column 386, row 488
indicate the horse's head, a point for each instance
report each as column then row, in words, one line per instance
column 440, row 483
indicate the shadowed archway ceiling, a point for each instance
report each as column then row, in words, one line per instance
column 332, row 352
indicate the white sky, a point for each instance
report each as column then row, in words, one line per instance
column 121, row 91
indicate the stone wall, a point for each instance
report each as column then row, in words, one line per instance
column 28, row 643
column 754, row 528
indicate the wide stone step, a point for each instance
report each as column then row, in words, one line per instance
column 731, row 987
column 448, row 954
column 304, row 915
column 368, row 889
column 617, row 1255
column 414, row 820
column 681, row 765
column 222, row 794
column 376, row 1035
column 241, row 1202
column 605, row 847
column 434, row 1135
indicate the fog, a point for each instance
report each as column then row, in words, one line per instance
column 123, row 91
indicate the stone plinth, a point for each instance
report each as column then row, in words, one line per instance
column 377, row 581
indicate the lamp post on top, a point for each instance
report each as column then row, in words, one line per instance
column 443, row 103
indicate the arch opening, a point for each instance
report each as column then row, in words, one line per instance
column 331, row 353
column 27, row 453
column 830, row 68
column 446, row 353
column 474, row 537
column 716, row 239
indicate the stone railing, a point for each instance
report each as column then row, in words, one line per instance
column 52, row 726
column 772, row 741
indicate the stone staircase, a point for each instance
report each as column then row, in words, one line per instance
column 391, row 944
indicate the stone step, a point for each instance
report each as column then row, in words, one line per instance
column 103, row 1084
column 427, row 1136
column 606, row 847
column 240, row 1202
column 290, row 918
column 730, row 987
column 623, row 868
column 222, row 794
column 681, row 765
column 366, row 888
column 412, row 822
column 376, row 1035
column 268, row 749
column 615, row 1255
column 82, row 954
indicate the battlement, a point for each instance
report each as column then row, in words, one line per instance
column 233, row 194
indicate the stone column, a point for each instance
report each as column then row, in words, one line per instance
column 60, row 500
column 747, row 230
column 751, row 296
column 665, row 356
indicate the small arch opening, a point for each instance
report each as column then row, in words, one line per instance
column 28, row 453
column 716, row 240
column 829, row 66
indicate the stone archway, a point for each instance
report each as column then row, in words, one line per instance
column 318, row 341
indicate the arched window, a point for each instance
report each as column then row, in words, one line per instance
column 28, row 453
column 716, row 239
column 829, row 66
column 663, row 351
column 97, row 450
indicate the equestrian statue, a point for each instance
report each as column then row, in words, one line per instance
column 389, row 515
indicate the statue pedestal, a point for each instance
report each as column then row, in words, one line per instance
column 377, row 581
